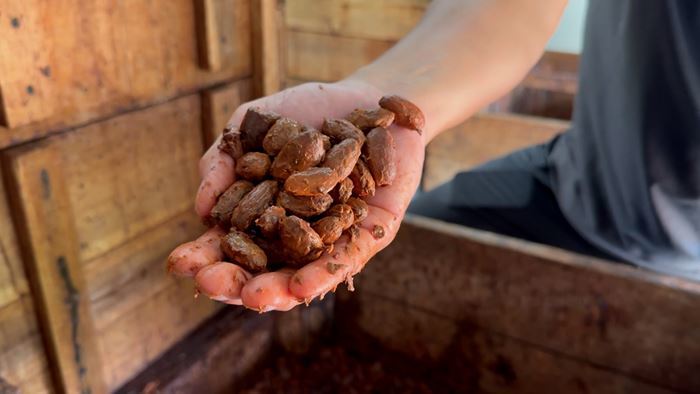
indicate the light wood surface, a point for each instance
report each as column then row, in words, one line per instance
column 47, row 231
column 77, row 60
column 218, row 105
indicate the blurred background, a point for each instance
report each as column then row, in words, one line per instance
column 105, row 109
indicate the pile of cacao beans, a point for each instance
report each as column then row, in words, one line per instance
column 298, row 189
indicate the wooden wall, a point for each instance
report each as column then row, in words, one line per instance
column 105, row 110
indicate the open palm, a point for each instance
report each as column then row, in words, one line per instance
column 282, row 290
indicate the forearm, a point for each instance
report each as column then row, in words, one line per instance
column 463, row 55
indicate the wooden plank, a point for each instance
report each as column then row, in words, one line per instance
column 131, row 173
column 218, row 105
column 573, row 305
column 471, row 359
column 120, row 280
column 320, row 57
column 218, row 33
column 22, row 360
column 207, row 32
column 13, row 282
column 213, row 359
column 46, row 228
column 80, row 59
column 374, row 19
column 482, row 138
column 267, row 22
column 142, row 334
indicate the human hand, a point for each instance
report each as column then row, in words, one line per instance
column 308, row 104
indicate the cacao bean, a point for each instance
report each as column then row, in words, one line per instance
column 253, row 204
column 240, row 248
column 253, row 166
column 381, row 156
column 407, row 114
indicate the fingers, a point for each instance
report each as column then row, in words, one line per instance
column 222, row 281
column 347, row 258
column 269, row 291
column 188, row 258
column 218, row 174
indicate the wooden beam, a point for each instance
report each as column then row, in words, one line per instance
column 565, row 304
column 218, row 105
column 369, row 19
column 46, row 230
column 267, row 68
column 327, row 58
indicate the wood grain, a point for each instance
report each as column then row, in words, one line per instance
column 217, row 29
column 213, row 359
column 130, row 173
column 22, row 360
column 41, row 202
column 471, row 359
column 13, row 282
column 372, row 19
column 482, row 138
column 140, row 335
column 80, row 59
column 570, row 305
column 320, row 57
column 218, row 105
column 266, row 31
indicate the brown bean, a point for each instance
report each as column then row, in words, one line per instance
column 407, row 114
column 326, row 139
column 273, row 248
column 342, row 191
column 256, row 122
column 298, row 238
column 315, row 180
column 329, row 228
column 253, row 204
column 268, row 222
column 363, row 182
column 341, row 129
column 221, row 213
column 381, row 156
column 359, row 208
column 367, row 119
column 342, row 157
column 305, row 206
column 302, row 152
column 279, row 134
column 253, row 166
column 344, row 213
column 238, row 246
column 231, row 142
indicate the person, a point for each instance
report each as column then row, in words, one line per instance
column 622, row 183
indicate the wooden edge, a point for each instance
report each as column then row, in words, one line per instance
column 43, row 219
column 214, row 358
column 55, row 125
column 3, row 116
column 558, row 256
column 266, row 22
column 219, row 103
column 207, row 32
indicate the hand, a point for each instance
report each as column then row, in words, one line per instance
column 282, row 290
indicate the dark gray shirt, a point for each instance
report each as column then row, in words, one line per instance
column 627, row 174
